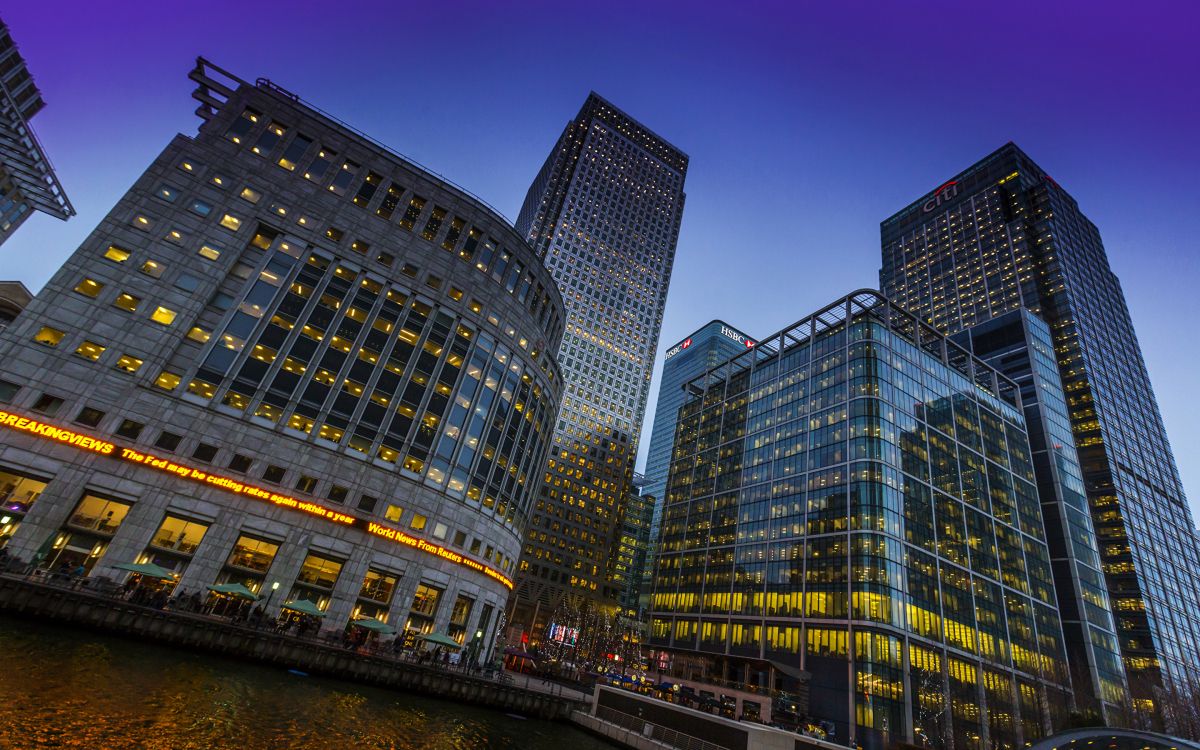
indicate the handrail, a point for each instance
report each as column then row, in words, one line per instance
column 638, row 725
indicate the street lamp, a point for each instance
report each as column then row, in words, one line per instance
column 271, row 593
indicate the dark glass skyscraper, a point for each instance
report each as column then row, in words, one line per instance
column 27, row 181
column 1003, row 235
column 1019, row 345
column 603, row 213
column 712, row 344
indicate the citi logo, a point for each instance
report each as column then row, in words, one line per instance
column 945, row 193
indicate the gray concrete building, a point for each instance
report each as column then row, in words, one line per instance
column 289, row 358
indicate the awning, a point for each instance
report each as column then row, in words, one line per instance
column 234, row 589
column 378, row 626
column 441, row 639
column 150, row 570
column 304, row 607
column 791, row 671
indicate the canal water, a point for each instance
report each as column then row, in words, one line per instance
column 62, row 687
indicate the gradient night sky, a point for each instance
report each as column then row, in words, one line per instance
column 806, row 124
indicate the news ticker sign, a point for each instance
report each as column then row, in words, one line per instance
column 726, row 331
column 104, row 448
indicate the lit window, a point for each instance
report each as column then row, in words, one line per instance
column 90, row 350
column 219, row 180
column 210, row 251
column 167, row 193
column 231, row 222
column 129, row 364
column 187, row 166
column 199, row 334
column 167, row 380
column 126, row 302
column 175, row 236
column 250, row 194
column 142, row 222
column 89, row 287
column 418, row 522
column 202, row 388
column 153, row 268
column 163, row 316
column 331, row 433
column 300, row 422
column 49, row 336
column 200, row 208
column 116, row 254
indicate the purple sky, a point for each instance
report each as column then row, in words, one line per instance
column 806, row 126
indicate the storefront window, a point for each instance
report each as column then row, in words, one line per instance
column 99, row 514
column 17, row 492
column 319, row 571
column 378, row 586
column 253, row 554
column 179, row 534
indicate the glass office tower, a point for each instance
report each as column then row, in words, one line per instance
column 603, row 213
column 1003, row 235
column 1020, row 346
column 27, row 180
column 855, row 497
column 707, row 347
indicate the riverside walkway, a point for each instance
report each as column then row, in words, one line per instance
column 72, row 601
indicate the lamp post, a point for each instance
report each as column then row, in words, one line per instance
column 271, row 593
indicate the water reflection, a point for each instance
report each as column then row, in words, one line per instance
column 66, row 687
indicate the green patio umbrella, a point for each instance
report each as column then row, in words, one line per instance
column 234, row 589
column 304, row 607
column 150, row 570
column 441, row 639
column 370, row 623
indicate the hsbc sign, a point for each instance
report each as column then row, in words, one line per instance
column 944, row 194
column 677, row 348
column 730, row 333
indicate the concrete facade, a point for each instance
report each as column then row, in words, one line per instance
column 281, row 303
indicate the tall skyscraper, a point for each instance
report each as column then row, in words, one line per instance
column 827, row 511
column 27, row 181
column 713, row 343
column 603, row 214
column 1003, row 235
column 633, row 544
column 1019, row 345
column 287, row 357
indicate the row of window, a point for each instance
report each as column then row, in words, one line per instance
column 469, row 243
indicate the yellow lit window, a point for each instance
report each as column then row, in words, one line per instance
column 142, row 222
column 153, row 268
column 300, row 422
column 116, row 254
column 167, row 380
column 231, row 222
column 268, row 411
column 202, row 388
column 208, row 251
column 236, row 400
column 331, row 433
column 90, row 350
column 89, row 287
column 199, row 334
column 127, row 302
column 128, row 363
column 187, row 166
column 250, row 194
column 49, row 336
column 294, row 366
column 163, row 316
column 218, row 180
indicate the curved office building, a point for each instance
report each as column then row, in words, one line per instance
column 289, row 358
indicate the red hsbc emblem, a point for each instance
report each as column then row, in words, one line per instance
column 687, row 343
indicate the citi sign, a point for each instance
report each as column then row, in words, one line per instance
column 944, row 194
